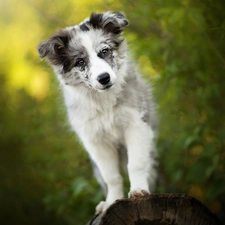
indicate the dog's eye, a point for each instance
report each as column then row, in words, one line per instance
column 80, row 63
column 103, row 53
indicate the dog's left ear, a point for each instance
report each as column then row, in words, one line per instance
column 111, row 22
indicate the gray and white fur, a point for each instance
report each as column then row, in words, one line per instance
column 109, row 104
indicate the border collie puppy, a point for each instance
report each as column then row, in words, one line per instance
column 109, row 104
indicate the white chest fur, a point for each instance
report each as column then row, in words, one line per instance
column 97, row 116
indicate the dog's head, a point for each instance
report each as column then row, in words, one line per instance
column 92, row 52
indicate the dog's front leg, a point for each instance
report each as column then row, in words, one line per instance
column 140, row 148
column 106, row 159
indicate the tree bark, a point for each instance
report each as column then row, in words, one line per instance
column 162, row 209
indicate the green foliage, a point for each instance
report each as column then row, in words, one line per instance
column 45, row 174
column 72, row 201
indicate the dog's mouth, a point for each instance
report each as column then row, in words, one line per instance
column 107, row 86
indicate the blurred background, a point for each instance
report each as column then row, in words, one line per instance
column 45, row 175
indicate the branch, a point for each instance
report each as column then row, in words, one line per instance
column 163, row 209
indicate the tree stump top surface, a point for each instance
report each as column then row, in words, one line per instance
column 163, row 209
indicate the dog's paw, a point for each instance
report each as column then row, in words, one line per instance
column 138, row 193
column 101, row 207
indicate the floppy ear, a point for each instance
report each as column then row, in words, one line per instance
column 54, row 45
column 111, row 22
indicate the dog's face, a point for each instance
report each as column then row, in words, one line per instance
column 91, row 53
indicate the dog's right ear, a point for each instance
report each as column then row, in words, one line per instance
column 55, row 45
column 43, row 48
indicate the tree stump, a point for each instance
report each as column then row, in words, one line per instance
column 162, row 209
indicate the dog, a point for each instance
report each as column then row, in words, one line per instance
column 109, row 105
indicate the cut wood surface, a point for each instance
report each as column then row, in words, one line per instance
column 163, row 209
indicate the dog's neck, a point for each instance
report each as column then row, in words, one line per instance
column 87, row 99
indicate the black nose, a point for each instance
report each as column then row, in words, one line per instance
column 103, row 78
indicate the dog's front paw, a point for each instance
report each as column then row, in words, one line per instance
column 101, row 207
column 138, row 193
